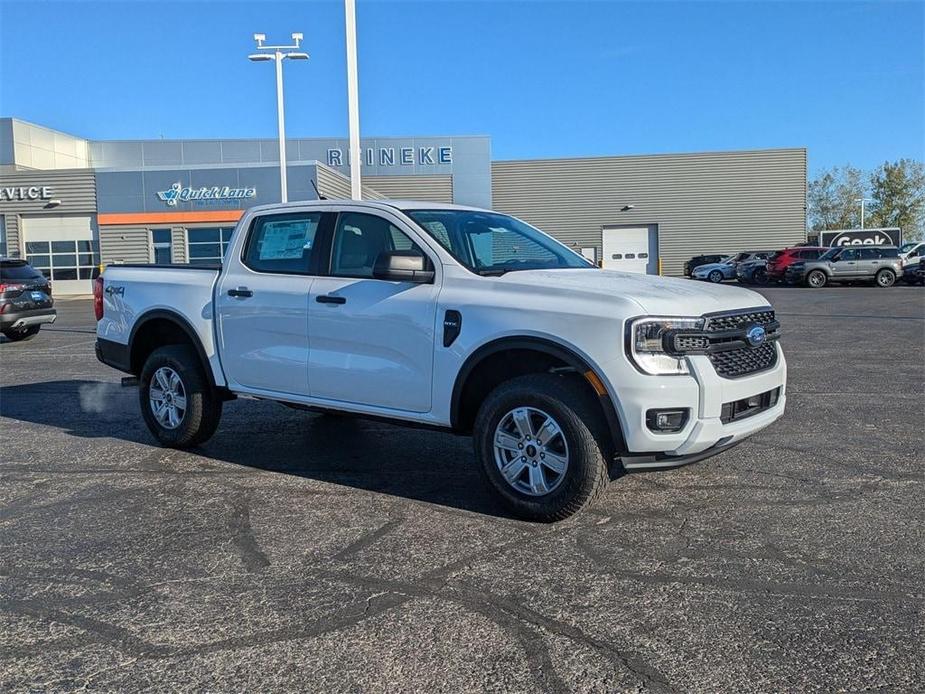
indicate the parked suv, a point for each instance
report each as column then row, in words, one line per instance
column 452, row 317
column 699, row 260
column 25, row 300
column 912, row 252
column 778, row 263
column 914, row 272
column 849, row 264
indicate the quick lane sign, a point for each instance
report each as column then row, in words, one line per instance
column 25, row 193
column 219, row 194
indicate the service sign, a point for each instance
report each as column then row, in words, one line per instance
column 9, row 194
column 862, row 237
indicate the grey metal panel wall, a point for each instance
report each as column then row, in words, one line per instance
column 334, row 185
column 706, row 202
column 124, row 245
column 434, row 187
column 178, row 245
column 13, row 236
column 75, row 188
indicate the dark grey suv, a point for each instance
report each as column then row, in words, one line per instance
column 878, row 264
column 25, row 300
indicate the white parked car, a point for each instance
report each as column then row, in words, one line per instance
column 911, row 253
column 453, row 317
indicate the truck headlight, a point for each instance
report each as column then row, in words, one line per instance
column 646, row 345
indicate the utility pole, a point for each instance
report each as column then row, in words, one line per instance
column 862, row 201
column 353, row 107
column 278, row 55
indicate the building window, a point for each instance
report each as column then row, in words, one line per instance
column 161, row 242
column 207, row 245
column 64, row 260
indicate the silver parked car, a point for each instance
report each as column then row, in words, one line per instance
column 880, row 264
column 726, row 268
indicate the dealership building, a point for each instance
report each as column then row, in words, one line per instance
column 68, row 204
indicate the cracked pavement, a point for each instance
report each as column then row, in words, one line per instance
column 296, row 551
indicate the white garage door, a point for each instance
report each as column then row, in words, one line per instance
column 65, row 249
column 626, row 249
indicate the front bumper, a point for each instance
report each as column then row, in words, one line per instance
column 703, row 393
column 25, row 319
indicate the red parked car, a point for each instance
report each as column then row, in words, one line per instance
column 780, row 261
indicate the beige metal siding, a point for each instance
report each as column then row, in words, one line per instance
column 432, row 188
column 11, row 225
column 717, row 202
column 124, row 245
column 335, row 186
column 178, row 245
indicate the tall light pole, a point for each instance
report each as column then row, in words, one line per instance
column 279, row 54
column 353, row 107
column 862, row 201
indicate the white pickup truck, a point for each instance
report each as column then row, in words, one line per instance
column 452, row 317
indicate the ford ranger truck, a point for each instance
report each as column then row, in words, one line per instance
column 451, row 317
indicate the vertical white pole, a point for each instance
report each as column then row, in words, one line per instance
column 281, row 126
column 353, row 108
column 862, row 213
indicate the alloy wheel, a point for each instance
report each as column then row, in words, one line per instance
column 531, row 451
column 167, row 397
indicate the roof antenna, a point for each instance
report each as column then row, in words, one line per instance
column 320, row 196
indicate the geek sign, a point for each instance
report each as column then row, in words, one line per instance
column 862, row 237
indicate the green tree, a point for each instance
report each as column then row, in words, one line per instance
column 832, row 199
column 897, row 191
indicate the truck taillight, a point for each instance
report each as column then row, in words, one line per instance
column 98, row 298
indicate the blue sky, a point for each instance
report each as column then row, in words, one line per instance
column 543, row 79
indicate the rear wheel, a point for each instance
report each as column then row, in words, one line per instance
column 816, row 279
column 22, row 334
column 885, row 278
column 715, row 276
column 542, row 446
column 179, row 406
column 760, row 276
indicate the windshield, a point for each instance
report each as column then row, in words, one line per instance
column 829, row 254
column 908, row 246
column 491, row 244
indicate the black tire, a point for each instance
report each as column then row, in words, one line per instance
column 203, row 405
column 715, row 276
column 760, row 277
column 885, row 278
column 574, row 408
column 22, row 334
column 816, row 279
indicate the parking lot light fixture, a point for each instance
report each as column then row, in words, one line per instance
column 862, row 201
column 279, row 54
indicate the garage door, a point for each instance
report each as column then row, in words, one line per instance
column 65, row 249
column 626, row 249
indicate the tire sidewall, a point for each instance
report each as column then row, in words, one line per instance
column 184, row 364
column 713, row 275
column 23, row 334
column 576, row 486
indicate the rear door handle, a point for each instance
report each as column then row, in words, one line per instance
column 330, row 299
column 240, row 291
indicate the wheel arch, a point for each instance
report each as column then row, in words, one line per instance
column 462, row 413
column 159, row 327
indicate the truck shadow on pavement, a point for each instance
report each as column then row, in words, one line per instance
column 422, row 465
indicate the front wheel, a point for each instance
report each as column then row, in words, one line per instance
column 179, row 406
column 885, row 278
column 715, row 277
column 816, row 279
column 22, row 334
column 760, row 277
column 542, row 446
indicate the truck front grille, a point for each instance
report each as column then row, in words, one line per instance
column 736, row 363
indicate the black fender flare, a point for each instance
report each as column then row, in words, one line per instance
column 184, row 325
column 546, row 346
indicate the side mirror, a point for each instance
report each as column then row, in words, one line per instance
column 403, row 266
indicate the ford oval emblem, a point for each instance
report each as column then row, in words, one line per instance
column 755, row 335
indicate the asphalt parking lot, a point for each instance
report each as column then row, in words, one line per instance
column 295, row 551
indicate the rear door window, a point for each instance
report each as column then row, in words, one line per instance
column 282, row 244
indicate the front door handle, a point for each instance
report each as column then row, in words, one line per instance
column 240, row 291
column 330, row 299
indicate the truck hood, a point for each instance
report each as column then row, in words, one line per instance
column 663, row 296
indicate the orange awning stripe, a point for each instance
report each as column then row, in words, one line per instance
column 169, row 217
